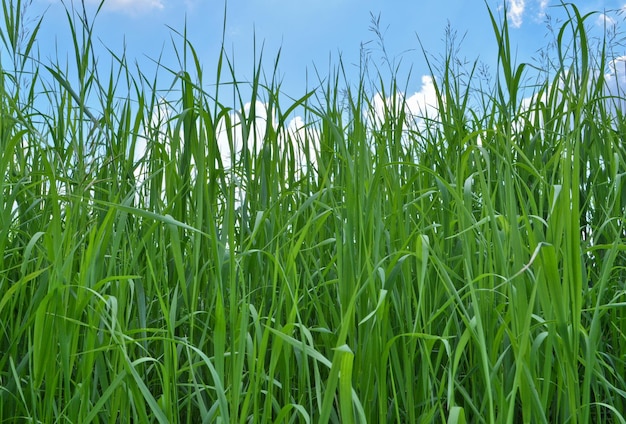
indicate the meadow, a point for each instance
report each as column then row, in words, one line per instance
column 467, row 269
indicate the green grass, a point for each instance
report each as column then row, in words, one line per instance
column 469, row 270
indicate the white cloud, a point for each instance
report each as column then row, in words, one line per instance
column 517, row 9
column 516, row 12
column 605, row 21
column 615, row 82
column 421, row 104
column 231, row 133
column 424, row 102
column 618, row 66
column 297, row 139
column 305, row 140
column 421, row 110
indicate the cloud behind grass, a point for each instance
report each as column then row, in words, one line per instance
column 420, row 109
column 517, row 10
column 615, row 85
column 297, row 141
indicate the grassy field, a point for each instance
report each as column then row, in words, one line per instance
column 468, row 269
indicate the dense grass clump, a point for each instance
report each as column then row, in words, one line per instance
column 369, row 267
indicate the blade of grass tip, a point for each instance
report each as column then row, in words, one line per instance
column 284, row 412
column 456, row 415
column 16, row 377
column 345, row 384
column 43, row 341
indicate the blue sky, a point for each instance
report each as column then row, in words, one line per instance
column 315, row 32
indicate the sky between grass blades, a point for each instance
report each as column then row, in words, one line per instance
column 311, row 36
column 419, row 107
column 306, row 33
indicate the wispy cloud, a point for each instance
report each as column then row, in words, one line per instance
column 516, row 12
column 518, row 9
column 615, row 82
column 541, row 12
column 131, row 7
column 604, row 20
